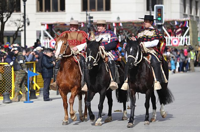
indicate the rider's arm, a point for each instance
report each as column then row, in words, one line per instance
column 81, row 46
column 113, row 42
column 151, row 43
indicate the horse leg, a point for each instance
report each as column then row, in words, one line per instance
column 148, row 95
column 81, row 117
column 132, row 104
column 90, row 96
column 65, row 106
column 153, row 101
column 110, row 104
column 124, row 117
column 85, row 112
column 71, row 102
column 162, row 111
column 100, row 107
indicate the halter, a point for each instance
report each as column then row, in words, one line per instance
column 63, row 55
column 96, row 59
column 136, row 58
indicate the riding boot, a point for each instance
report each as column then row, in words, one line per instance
column 15, row 99
column 125, row 85
column 82, row 65
column 53, row 86
column 113, row 84
column 157, row 73
column 23, row 97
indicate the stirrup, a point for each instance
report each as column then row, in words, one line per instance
column 157, row 85
column 125, row 85
column 84, row 88
column 113, row 85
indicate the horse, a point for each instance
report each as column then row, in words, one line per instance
column 98, row 81
column 69, row 79
column 141, row 79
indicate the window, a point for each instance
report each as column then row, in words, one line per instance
column 96, row 5
column 18, row 6
column 153, row 2
column 50, row 5
column 191, row 6
column 197, row 7
column 184, row 6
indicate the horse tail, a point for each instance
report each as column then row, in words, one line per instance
column 165, row 95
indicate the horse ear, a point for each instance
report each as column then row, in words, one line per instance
column 100, row 41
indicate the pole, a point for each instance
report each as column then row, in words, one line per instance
column 24, row 23
column 150, row 9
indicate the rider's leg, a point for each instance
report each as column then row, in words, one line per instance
column 53, row 85
column 112, row 67
column 83, row 67
column 155, row 63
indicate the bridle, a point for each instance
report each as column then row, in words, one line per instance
column 63, row 53
column 96, row 59
column 136, row 58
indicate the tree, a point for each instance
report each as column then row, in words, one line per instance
column 19, row 24
column 7, row 7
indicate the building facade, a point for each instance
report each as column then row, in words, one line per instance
column 47, row 11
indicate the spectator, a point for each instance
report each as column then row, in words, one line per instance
column 182, row 61
column 191, row 57
column 198, row 56
column 20, row 73
column 38, row 56
column 47, row 72
column 37, row 43
column 29, row 55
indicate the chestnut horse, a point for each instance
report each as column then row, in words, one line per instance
column 69, row 79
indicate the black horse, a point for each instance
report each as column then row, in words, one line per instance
column 140, row 79
column 98, row 79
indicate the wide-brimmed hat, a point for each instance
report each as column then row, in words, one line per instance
column 101, row 22
column 73, row 22
column 148, row 17
column 39, row 48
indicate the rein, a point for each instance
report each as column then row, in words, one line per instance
column 136, row 58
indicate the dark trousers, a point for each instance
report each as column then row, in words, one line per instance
column 47, row 82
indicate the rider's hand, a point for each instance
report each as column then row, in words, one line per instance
column 141, row 44
column 54, row 63
column 133, row 38
column 102, row 47
column 74, row 48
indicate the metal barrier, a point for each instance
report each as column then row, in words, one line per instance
column 7, row 79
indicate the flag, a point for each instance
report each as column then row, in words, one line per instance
column 30, row 74
column 176, row 23
column 114, row 24
column 46, row 26
column 120, row 24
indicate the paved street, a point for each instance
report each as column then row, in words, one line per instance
column 183, row 113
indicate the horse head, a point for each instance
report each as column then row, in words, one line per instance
column 93, row 54
column 62, row 47
column 133, row 53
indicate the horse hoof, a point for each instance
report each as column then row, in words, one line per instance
column 65, row 122
column 81, row 118
column 98, row 124
column 130, row 125
column 163, row 114
column 85, row 118
column 109, row 119
column 74, row 118
column 153, row 119
column 146, row 123
column 92, row 118
column 124, row 118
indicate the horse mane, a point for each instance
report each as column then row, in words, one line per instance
column 63, row 37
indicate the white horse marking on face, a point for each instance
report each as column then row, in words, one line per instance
column 131, row 49
column 59, row 45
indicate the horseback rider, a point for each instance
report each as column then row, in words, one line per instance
column 109, row 44
column 77, row 42
column 149, row 39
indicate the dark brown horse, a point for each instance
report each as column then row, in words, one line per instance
column 69, row 79
column 140, row 79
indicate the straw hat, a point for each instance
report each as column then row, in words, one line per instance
column 73, row 22
column 101, row 21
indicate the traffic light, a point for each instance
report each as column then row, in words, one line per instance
column 159, row 14
column 90, row 20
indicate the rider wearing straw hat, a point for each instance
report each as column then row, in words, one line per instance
column 149, row 39
column 109, row 44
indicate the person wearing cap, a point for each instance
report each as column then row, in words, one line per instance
column 149, row 39
column 38, row 56
column 77, row 42
column 109, row 44
column 20, row 73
